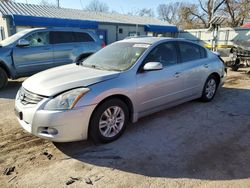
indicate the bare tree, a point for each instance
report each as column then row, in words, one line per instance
column 178, row 13
column 170, row 12
column 97, row 6
column 146, row 12
column 237, row 10
column 190, row 15
column 206, row 9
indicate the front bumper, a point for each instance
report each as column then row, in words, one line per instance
column 57, row 126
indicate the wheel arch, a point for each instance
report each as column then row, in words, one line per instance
column 217, row 76
column 5, row 68
column 121, row 97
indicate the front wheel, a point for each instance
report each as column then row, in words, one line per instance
column 209, row 89
column 109, row 120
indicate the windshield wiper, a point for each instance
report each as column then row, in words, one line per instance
column 100, row 68
column 93, row 66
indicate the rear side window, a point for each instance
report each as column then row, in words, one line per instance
column 191, row 52
column 59, row 37
column 83, row 37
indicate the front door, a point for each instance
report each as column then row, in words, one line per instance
column 157, row 88
column 36, row 57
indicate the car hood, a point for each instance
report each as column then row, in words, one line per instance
column 59, row 79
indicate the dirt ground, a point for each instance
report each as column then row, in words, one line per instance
column 192, row 145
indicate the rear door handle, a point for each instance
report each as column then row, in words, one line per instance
column 177, row 74
column 206, row 65
column 47, row 48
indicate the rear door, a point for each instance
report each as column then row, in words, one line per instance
column 157, row 88
column 36, row 57
column 71, row 45
column 194, row 67
column 64, row 45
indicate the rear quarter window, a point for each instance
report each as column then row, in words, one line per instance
column 191, row 52
column 83, row 37
column 203, row 52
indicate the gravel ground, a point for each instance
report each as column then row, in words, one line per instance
column 192, row 145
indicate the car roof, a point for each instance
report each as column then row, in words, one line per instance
column 56, row 29
column 151, row 40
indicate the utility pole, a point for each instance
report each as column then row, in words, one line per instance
column 58, row 3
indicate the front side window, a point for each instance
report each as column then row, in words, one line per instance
column 190, row 52
column 38, row 39
column 164, row 53
column 118, row 56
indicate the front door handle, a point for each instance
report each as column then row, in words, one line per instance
column 177, row 74
column 206, row 65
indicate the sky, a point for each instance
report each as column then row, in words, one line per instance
column 122, row 6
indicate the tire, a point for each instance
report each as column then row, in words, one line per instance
column 114, row 126
column 235, row 68
column 3, row 78
column 209, row 89
column 236, row 65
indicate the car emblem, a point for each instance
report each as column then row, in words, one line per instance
column 22, row 96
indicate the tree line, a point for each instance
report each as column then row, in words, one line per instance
column 185, row 15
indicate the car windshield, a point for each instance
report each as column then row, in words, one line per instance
column 118, row 57
column 13, row 38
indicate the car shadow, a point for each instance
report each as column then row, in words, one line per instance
column 193, row 140
column 9, row 92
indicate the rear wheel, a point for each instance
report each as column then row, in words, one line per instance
column 209, row 89
column 3, row 78
column 109, row 121
column 236, row 65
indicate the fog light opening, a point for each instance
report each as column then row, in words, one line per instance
column 48, row 130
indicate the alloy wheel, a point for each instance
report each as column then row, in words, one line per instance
column 111, row 121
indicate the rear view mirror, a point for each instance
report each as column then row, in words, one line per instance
column 152, row 66
column 23, row 43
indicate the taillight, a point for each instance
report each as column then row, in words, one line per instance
column 103, row 44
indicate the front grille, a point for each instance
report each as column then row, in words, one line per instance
column 27, row 97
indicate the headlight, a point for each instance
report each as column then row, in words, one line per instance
column 67, row 100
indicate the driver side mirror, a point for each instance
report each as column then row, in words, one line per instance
column 152, row 66
column 23, row 43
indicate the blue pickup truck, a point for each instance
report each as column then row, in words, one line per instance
column 33, row 50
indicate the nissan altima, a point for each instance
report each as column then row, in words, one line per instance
column 119, row 84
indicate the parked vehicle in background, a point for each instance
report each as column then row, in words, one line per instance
column 33, row 50
column 119, row 84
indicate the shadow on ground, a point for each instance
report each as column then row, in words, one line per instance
column 193, row 140
column 11, row 89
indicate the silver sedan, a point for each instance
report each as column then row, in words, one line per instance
column 117, row 85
